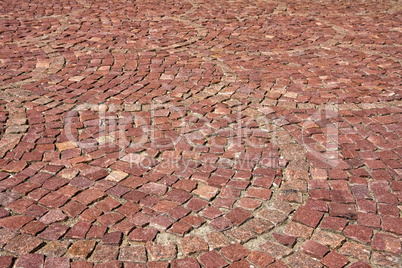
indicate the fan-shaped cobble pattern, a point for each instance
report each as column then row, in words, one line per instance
column 200, row 133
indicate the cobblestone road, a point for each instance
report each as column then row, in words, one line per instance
column 200, row 133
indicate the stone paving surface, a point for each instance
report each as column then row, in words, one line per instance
column 200, row 133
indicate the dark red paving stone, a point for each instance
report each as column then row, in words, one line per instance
column 143, row 234
column 179, row 228
column 53, row 200
column 314, row 249
column 392, row 224
column 6, row 261
column 300, row 259
column 178, row 196
column 104, row 253
column 89, row 196
column 259, row 258
column 184, row 263
column 237, row 216
column 307, row 216
column 79, row 230
column 73, row 209
column 234, row 252
column 160, row 252
column 317, row 205
column 343, row 211
column 51, row 262
column 33, row 227
column 284, row 239
column 54, row 231
column 113, row 238
column 211, row 212
column 193, row 244
column 333, row 223
column 193, row 220
column 359, row 233
column 15, row 222
column 334, row 260
column 23, row 244
column 96, row 231
column 30, row 261
column 140, row 219
column 107, row 204
column 386, row 242
column 6, row 235
column 212, row 259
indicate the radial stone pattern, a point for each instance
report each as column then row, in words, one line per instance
column 200, row 133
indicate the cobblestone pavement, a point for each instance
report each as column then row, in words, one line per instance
column 200, row 133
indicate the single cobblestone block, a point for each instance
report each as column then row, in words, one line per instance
column 221, row 224
column 104, row 253
column 237, row 216
column 33, row 228
column 23, row 244
column 81, row 249
column 143, row 234
column 314, row 249
column 391, row 224
column 53, row 216
column 261, row 259
column 51, row 262
column 89, row 196
column 15, row 222
column 30, row 261
column 284, row 239
column 216, row 240
column 360, row 233
column 113, row 238
column 234, row 252
column 6, row 261
column 193, row 244
column 335, row 260
column 133, row 253
column 333, row 223
column 307, row 216
column 386, row 242
column 54, row 231
column 160, row 252
column 206, row 192
column 212, row 259
column 343, row 211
